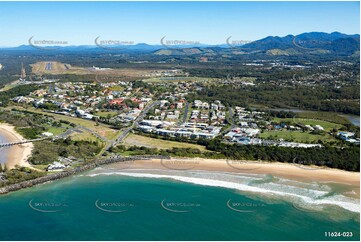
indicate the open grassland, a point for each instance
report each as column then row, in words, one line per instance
column 105, row 114
column 139, row 140
column 57, row 130
column 328, row 126
column 297, row 136
column 86, row 136
column 326, row 116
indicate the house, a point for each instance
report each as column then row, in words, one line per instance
column 56, row 166
column 345, row 135
column 47, row 134
column 117, row 101
column 319, row 127
column 179, row 105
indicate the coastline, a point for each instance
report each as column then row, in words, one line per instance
column 163, row 163
column 282, row 170
column 17, row 154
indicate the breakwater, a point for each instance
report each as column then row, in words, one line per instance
column 73, row 171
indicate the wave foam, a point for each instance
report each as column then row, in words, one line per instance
column 311, row 197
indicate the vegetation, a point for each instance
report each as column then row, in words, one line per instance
column 298, row 136
column 46, row 152
column 341, row 158
column 326, row 116
column 18, row 174
column 21, row 90
column 323, row 98
column 140, row 140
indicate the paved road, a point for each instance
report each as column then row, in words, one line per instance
column 67, row 133
column 136, row 122
column 231, row 121
column 185, row 115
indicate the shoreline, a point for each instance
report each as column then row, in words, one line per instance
column 282, row 170
column 17, row 154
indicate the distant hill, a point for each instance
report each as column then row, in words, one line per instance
column 313, row 43
column 316, row 42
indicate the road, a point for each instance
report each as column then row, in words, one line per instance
column 230, row 120
column 126, row 131
column 185, row 114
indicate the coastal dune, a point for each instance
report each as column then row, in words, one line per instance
column 17, row 154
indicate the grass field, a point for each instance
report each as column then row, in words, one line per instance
column 325, row 124
column 57, row 130
column 326, row 116
column 86, row 136
column 296, row 136
column 105, row 114
column 139, row 140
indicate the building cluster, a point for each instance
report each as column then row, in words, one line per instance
column 86, row 100
column 186, row 130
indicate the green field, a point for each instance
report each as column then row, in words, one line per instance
column 139, row 140
column 296, row 136
column 86, row 136
column 328, row 126
column 326, row 116
column 105, row 114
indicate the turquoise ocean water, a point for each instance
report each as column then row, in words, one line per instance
column 141, row 205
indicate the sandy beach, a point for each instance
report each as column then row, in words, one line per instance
column 18, row 154
column 283, row 170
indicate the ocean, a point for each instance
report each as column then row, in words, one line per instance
column 3, row 150
column 108, row 204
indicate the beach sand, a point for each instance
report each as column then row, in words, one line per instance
column 17, row 154
column 283, row 170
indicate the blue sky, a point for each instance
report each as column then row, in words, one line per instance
column 147, row 22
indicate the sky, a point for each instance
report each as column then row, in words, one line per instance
column 79, row 23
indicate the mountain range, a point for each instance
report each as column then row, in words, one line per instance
column 305, row 43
